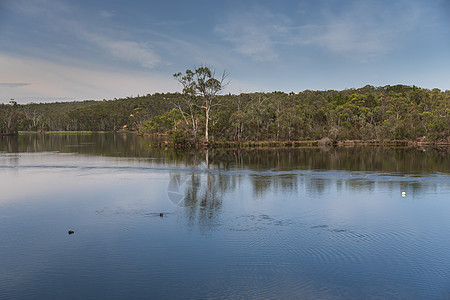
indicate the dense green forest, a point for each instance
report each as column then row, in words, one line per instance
column 391, row 112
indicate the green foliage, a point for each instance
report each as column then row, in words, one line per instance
column 178, row 137
column 11, row 116
column 200, row 83
column 391, row 112
column 161, row 124
column 107, row 115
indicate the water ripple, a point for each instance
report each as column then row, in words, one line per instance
column 312, row 174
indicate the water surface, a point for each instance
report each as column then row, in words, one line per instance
column 278, row 223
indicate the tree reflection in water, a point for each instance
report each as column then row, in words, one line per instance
column 200, row 193
column 204, row 176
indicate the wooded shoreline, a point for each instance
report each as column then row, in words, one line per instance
column 365, row 116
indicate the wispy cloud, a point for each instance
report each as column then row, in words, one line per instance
column 50, row 80
column 126, row 50
column 47, row 8
column 348, row 38
column 106, row 14
column 255, row 33
column 13, row 84
column 70, row 23
column 362, row 29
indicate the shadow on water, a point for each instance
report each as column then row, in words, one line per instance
column 208, row 174
column 390, row 160
column 200, row 192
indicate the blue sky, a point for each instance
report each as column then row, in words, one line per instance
column 60, row 50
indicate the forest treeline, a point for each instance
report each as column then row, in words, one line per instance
column 397, row 112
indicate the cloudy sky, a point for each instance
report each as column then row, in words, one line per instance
column 61, row 50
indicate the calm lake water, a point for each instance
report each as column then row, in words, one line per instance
column 278, row 223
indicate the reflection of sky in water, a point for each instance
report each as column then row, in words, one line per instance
column 245, row 233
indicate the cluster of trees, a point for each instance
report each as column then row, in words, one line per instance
column 107, row 115
column 9, row 118
column 391, row 112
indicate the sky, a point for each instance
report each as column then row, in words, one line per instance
column 61, row 50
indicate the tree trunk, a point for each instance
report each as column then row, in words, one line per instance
column 207, row 124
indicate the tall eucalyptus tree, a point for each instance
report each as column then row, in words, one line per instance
column 202, row 83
